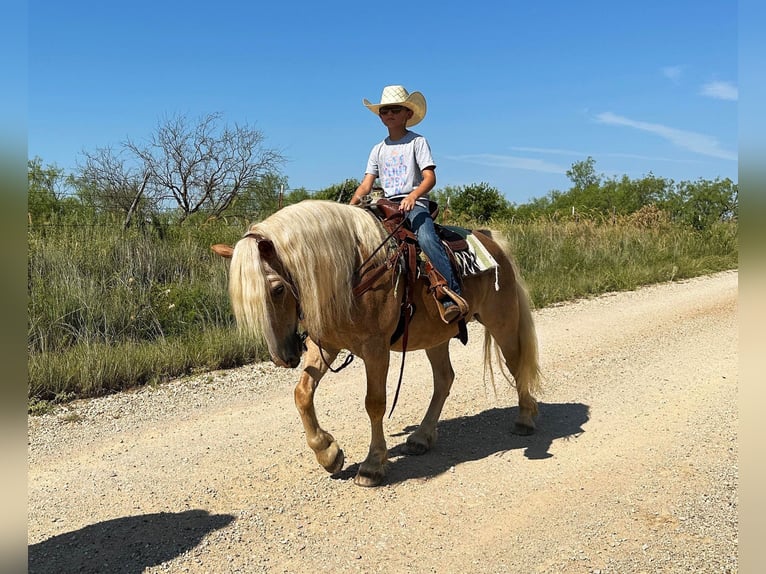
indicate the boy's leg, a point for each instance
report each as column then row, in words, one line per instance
column 423, row 227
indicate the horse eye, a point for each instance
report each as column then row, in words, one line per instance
column 278, row 289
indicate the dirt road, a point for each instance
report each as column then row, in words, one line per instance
column 634, row 467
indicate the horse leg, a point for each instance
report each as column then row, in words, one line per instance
column 327, row 451
column 373, row 469
column 424, row 437
column 522, row 365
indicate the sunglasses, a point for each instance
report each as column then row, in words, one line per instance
column 391, row 110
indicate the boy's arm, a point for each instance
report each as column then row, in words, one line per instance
column 428, row 183
column 364, row 188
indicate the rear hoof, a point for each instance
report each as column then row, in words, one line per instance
column 416, row 447
column 523, row 429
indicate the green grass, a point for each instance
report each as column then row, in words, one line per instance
column 565, row 261
column 110, row 309
column 88, row 370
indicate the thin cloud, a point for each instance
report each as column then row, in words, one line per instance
column 673, row 73
column 553, row 151
column 649, row 157
column 569, row 152
column 692, row 141
column 510, row 162
column 720, row 91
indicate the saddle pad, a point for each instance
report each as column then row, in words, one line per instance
column 474, row 260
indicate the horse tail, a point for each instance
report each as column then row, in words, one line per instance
column 529, row 363
column 528, row 375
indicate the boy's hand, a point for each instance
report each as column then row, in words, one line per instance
column 407, row 204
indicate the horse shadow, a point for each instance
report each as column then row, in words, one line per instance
column 478, row 436
column 128, row 545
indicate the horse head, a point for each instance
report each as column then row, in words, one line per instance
column 264, row 298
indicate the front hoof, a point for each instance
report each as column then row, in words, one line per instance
column 332, row 459
column 368, row 479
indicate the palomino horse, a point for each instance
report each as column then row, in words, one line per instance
column 295, row 271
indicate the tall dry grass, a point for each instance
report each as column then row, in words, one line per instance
column 111, row 309
column 566, row 260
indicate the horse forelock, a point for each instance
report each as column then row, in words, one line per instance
column 248, row 288
column 320, row 245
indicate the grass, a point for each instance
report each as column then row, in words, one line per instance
column 569, row 260
column 111, row 309
column 93, row 369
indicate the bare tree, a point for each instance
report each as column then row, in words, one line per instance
column 204, row 166
column 106, row 182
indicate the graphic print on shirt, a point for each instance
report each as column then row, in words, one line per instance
column 393, row 173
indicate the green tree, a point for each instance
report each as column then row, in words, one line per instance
column 480, row 202
column 617, row 196
column 260, row 198
column 583, row 174
column 535, row 208
column 444, row 198
column 296, row 195
column 627, row 195
column 703, row 202
column 340, row 192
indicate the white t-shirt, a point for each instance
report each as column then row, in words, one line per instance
column 399, row 164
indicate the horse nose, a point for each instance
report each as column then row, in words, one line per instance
column 288, row 362
column 279, row 362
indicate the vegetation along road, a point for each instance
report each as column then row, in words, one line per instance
column 634, row 467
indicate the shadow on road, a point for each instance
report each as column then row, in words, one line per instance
column 478, row 436
column 127, row 545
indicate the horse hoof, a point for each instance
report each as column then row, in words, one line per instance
column 415, row 447
column 338, row 464
column 368, row 479
column 523, row 429
column 333, row 454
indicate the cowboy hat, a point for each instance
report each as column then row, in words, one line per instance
column 398, row 96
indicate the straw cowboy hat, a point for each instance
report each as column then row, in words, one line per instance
column 398, row 96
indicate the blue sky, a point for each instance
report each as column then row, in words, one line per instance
column 516, row 91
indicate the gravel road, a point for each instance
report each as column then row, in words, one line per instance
column 634, row 467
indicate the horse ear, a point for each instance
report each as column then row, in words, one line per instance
column 223, row 250
column 266, row 248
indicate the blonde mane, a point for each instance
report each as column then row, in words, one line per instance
column 320, row 244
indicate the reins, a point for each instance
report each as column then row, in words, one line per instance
column 379, row 247
column 360, row 289
column 407, row 307
column 304, row 335
column 346, row 362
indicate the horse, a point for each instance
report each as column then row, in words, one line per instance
column 292, row 278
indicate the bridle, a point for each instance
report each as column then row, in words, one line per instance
column 303, row 335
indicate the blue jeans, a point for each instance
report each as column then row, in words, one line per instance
column 423, row 227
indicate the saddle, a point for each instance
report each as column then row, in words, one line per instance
column 404, row 257
column 388, row 211
column 407, row 256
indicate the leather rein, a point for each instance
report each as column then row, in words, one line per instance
column 406, row 253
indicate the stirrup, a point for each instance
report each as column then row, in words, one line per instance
column 453, row 312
